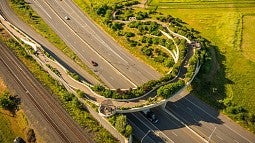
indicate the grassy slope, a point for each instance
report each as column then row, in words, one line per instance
column 85, row 6
column 11, row 127
column 223, row 27
column 38, row 24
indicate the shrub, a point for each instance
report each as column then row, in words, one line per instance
column 129, row 34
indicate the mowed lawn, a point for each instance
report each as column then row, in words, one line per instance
column 248, row 39
column 225, row 28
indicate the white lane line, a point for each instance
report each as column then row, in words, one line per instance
column 219, row 137
column 35, row 1
column 174, row 133
column 95, row 35
column 189, row 109
column 169, row 113
column 158, row 132
column 114, row 68
column 217, row 119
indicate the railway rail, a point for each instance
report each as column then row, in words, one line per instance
column 50, row 107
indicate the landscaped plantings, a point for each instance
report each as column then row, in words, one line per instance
column 153, row 45
column 70, row 102
column 28, row 15
column 225, row 79
column 168, row 90
column 119, row 121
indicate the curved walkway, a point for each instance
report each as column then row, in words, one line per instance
column 92, row 96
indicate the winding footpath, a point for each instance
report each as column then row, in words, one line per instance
column 122, row 106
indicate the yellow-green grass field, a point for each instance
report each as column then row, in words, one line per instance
column 11, row 127
column 224, row 23
column 248, row 41
column 232, row 31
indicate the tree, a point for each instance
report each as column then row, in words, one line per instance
column 147, row 51
column 121, row 122
column 9, row 102
column 128, row 131
column 117, row 26
column 101, row 10
column 129, row 34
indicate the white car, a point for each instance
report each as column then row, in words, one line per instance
column 67, row 18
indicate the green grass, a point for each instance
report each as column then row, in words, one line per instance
column 229, row 31
column 85, row 5
column 248, row 42
column 11, row 127
column 82, row 116
column 29, row 16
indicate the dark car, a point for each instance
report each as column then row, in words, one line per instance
column 150, row 116
column 19, row 140
column 94, row 63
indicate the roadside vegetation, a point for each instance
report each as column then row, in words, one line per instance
column 13, row 120
column 142, row 30
column 69, row 101
column 29, row 16
column 228, row 85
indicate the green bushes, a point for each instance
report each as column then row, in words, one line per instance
column 72, row 105
column 168, row 90
column 9, row 102
column 119, row 121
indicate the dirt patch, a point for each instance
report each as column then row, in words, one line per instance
column 4, row 33
column 2, row 86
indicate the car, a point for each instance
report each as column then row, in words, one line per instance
column 150, row 116
column 67, row 18
column 94, row 63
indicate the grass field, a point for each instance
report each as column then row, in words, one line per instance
column 248, row 42
column 11, row 127
column 229, row 25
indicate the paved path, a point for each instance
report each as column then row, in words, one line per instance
column 83, row 87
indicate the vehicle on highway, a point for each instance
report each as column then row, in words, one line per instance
column 94, row 63
column 150, row 115
column 67, row 18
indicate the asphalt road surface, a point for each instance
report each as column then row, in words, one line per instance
column 68, row 63
column 189, row 120
column 207, row 122
column 167, row 129
column 48, row 117
column 116, row 67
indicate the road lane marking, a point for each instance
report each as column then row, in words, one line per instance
column 42, row 8
column 95, row 35
column 168, row 112
column 174, row 133
column 189, row 109
column 217, row 119
column 157, row 132
column 93, row 50
column 219, row 137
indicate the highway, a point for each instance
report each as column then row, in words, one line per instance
column 55, row 52
column 188, row 119
column 39, row 103
column 196, row 122
column 207, row 122
column 167, row 129
column 116, row 67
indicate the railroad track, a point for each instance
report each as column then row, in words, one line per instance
column 6, row 55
